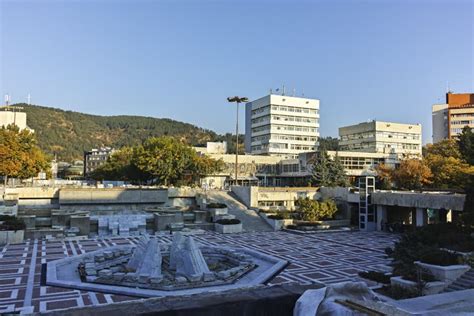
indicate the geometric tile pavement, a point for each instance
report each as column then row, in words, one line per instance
column 326, row 258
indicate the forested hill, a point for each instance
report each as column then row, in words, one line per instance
column 68, row 133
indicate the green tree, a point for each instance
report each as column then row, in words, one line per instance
column 313, row 210
column 20, row 157
column 466, row 145
column 328, row 143
column 165, row 160
column 328, row 172
column 120, row 167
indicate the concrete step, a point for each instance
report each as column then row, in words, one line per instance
column 251, row 221
column 464, row 284
column 456, row 287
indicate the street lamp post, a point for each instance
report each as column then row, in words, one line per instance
column 238, row 100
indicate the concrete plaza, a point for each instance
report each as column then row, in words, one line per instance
column 325, row 257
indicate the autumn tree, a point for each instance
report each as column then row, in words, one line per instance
column 412, row 174
column 466, row 144
column 20, row 157
column 445, row 161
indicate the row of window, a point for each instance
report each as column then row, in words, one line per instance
column 461, row 115
column 285, row 118
column 282, row 146
column 394, row 135
column 285, row 108
column 284, row 137
column 464, row 123
column 285, row 128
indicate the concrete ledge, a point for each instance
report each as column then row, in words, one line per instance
column 228, row 229
column 275, row 300
column 447, row 274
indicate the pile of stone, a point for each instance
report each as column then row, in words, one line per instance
column 143, row 266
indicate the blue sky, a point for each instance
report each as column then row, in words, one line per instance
column 388, row 60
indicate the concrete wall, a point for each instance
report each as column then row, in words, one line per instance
column 432, row 200
column 11, row 237
column 112, row 196
column 247, row 195
column 35, row 192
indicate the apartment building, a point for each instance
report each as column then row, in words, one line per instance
column 95, row 158
column 403, row 140
column 280, row 125
column 451, row 117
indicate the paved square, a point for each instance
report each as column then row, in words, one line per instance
column 325, row 257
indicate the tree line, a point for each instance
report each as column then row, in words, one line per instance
column 159, row 160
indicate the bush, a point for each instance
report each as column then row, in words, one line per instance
column 376, row 276
column 216, row 205
column 398, row 292
column 312, row 210
column 424, row 245
column 11, row 223
column 440, row 258
column 228, row 221
column 276, row 217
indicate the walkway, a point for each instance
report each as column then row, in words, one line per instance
column 251, row 221
column 326, row 258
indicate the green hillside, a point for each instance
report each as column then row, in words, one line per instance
column 68, row 134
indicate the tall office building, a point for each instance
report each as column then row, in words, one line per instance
column 451, row 117
column 280, row 125
column 404, row 140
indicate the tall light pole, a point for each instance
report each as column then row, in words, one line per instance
column 237, row 100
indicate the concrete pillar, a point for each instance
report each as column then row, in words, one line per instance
column 421, row 216
column 162, row 221
column 381, row 217
column 449, row 216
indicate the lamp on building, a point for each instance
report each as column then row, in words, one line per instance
column 237, row 100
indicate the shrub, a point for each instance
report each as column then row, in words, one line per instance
column 376, row 276
column 312, row 210
column 398, row 292
column 440, row 258
column 216, row 205
column 423, row 245
column 276, row 217
column 228, row 221
column 11, row 223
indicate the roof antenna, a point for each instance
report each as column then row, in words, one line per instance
column 283, row 92
column 447, row 87
column 29, row 99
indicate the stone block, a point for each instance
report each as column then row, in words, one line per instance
column 99, row 257
column 163, row 221
column 105, row 273
column 180, row 280
column 82, row 222
column 208, row 277
column 92, row 272
column 29, row 220
column 108, row 254
column 200, row 217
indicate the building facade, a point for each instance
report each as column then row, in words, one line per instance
column 95, row 158
column 280, row 125
column 451, row 117
column 9, row 117
column 403, row 140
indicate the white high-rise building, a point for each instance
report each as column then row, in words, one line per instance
column 280, row 125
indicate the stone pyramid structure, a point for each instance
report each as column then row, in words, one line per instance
column 190, row 262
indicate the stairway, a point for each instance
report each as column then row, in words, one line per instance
column 464, row 282
column 251, row 221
